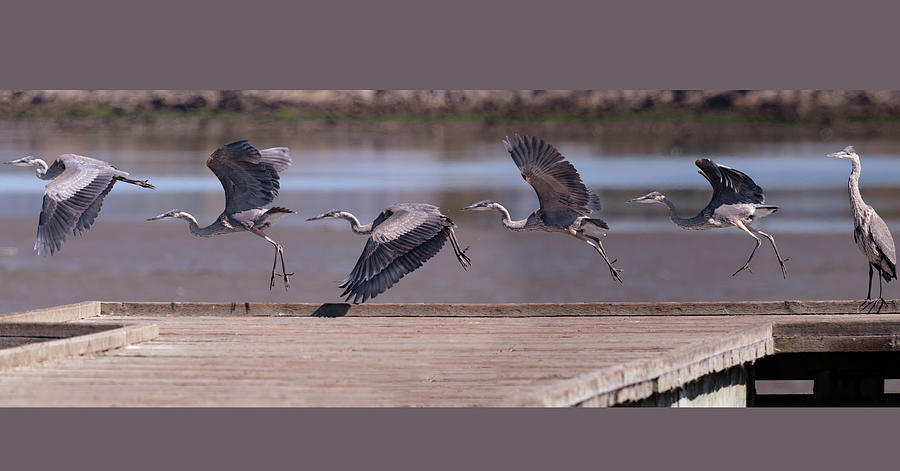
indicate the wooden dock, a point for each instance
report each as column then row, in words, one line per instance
column 603, row 354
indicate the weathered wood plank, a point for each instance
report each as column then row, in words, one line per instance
column 65, row 313
column 227, row 354
column 491, row 310
column 852, row 335
column 354, row 361
column 665, row 372
column 106, row 339
column 50, row 330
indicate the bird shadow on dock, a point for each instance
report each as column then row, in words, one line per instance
column 332, row 310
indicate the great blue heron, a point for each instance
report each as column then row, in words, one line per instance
column 736, row 201
column 73, row 198
column 566, row 203
column 870, row 232
column 250, row 179
column 401, row 239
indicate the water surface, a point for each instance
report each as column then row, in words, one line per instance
column 363, row 174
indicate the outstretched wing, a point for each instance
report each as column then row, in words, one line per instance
column 72, row 200
column 279, row 157
column 555, row 180
column 249, row 176
column 730, row 186
column 403, row 239
column 90, row 214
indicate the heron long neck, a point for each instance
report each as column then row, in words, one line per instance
column 508, row 222
column 355, row 225
column 857, row 205
column 688, row 223
column 196, row 229
column 41, row 170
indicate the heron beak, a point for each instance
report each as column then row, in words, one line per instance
column 18, row 162
column 471, row 206
column 156, row 218
column 637, row 200
column 321, row 216
column 838, row 155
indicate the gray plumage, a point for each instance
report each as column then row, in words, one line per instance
column 251, row 181
column 736, row 201
column 401, row 239
column 562, row 194
column 74, row 196
column 870, row 232
column 565, row 202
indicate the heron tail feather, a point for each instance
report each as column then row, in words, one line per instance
column 141, row 183
column 764, row 210
column 889, row 272
column 278, row 209
column 597, row 222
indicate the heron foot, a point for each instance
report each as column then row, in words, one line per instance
column 783, row 269
column 745, row 267
column 615, row 273
column 870, row 305
column 287, row 279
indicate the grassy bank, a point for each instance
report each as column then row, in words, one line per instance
column 104, row 113
column 681, row 126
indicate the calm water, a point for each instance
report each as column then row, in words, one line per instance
column 366, row 175
column 363, row 174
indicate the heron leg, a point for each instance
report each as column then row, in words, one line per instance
column 740, row 225
column 868, row 304
column 279, row 250
column 274, row 265
column 464, row 259
column 287, row 281
column 869, row 294
column 777, row 255
column 595, row 243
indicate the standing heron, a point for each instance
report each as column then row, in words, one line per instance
column 250, row 179
column 870, row 232
column 401, row 239
column 73, row 198
column 565, row 202
column 736, row 201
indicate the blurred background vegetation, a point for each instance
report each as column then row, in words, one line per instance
column 743, row 112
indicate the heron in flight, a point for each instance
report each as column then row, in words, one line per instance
column 870, row 232
column 401, row 239
column 73, row 198
column 736, row 201
column 250, row 179
column 566, row 204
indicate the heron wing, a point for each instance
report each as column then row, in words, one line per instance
column 401, row 241
column 554, row 179
column 279, row 157
column 249, row 177
column 72, row 201
column 730, row 186
column 90, row 214
column 881, row 235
